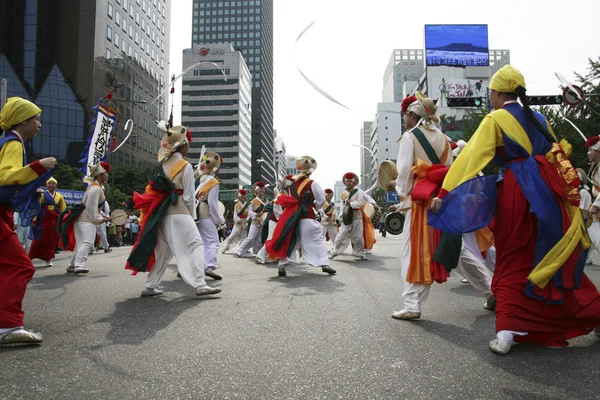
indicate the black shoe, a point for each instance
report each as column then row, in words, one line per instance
column 178, row 275
column 281, row 271
column 108, row 250
column 213, row 274
column 328, row 269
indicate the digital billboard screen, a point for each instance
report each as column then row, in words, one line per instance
column 457, row 45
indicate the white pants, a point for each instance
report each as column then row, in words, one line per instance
column 237, row 233
column 85, row 236
column 594, row 233
column 490, row 259
column 262, row 254
column 331, row 230
column 101, row 231
column 178, row 236
column 471, row 266
column 253, row 240
column 210, row 238
column 353, row 234
column 22, row 233
column 415, row 294
column 312, row 243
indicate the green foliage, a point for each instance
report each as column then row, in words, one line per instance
column 69, row 178
column 123, row 181
column 379, row 196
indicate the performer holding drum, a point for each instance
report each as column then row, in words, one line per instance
column 258, row 215
column 240, row 219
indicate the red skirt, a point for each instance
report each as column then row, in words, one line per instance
column 43, row 249
column 515, row 237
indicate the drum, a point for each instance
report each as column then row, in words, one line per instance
column 387, row 175
column 347, row 215
column 118, row 217
column 394, row 223
column 369, row 210
column 221, row 208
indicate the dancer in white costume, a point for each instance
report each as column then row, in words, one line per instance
column 354, row 198
column 87, row 222
column 273, row 219
column 300, row 201
column 101, row 230
column 175, row 234
column 209, row 215
column 240, row 219
column 256, row 211
column 328, row 220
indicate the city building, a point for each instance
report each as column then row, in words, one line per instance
column 218, row 109
column 404, row 66
column 365, row 153
column 291, row 164
column 386, row 130
column 280, row 157
column 338, row 189
column 66, row 55
column 248, row 26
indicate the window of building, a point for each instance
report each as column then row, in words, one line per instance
column 116, row 42
column 110, row 10
column 137, row 17
column 107, row 55
column 124, row 25
column 109, row 33
column 117, row 18
column 123, row 46
column 130, row 31
column 131, row 10
column 143, row 25
column 125, row 4
column 137, row 37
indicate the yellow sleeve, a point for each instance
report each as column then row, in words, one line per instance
column 480, row 150
column 61, row 203
column 12, row 171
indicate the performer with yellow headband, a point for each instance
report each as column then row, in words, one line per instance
column 542, row 294
column 20, row 120
column 53, row 204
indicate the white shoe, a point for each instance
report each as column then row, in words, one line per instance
column 48, row 263
column 80, row 270
column 149, row 292
column 332, row 256
column 204, row 290
column 500, row 346
column 258, row 260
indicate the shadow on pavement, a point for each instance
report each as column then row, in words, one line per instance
column 311, row 279
column 372, row 263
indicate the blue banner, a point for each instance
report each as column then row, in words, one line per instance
column 71, row 196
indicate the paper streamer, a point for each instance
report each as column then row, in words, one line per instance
column 128, row 125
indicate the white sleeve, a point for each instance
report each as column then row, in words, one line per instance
column 189, row 190
column 91, row 205
column 251, row 213
column 277, row 210
column 213, row 206
column 369, row 199
column 360, row 200
column 597, row 201
column 236, row 218
column 405, row 161
column 586, row 200
column 318, row 194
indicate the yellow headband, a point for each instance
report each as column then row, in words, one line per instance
column 507, row 79
column 51, row 180
column 15, row 111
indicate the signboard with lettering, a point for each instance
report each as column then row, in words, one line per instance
column 71, row 196
column 392, row 197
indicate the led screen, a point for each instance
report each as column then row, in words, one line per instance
column 457, row 45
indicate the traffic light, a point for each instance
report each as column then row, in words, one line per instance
column 464, row 101
column 544, row 100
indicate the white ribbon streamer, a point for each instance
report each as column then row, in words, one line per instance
column 127, row 126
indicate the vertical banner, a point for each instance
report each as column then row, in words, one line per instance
column 104, row 123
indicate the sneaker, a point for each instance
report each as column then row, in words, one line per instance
column 49, row 263
column 223, row 251
column 328, row 269
column 238, row 255
column 490, row 304
column 212, row 274
column 281, row 271
column 108, row 250
column 70, row 269
column 500, row 346
column 205, row 290
column 149, row 292
column 332, row 256
column 20, row 337
column 80, row 270
column 258, row 260
column 363, row 257
column 406, row 315
column 464, row 281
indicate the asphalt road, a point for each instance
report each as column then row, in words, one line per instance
column 305, row 336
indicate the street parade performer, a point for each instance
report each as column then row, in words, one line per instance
column 256, row 211
column 168, row 211
column 274, row 211
column 20, row 120
column 328, row 221
column 209, row 215
column 424, row 156
column 593, row 144
column 240, row 218
column 53, row 204
column 83, row 219
column 543, row 296
column 298, row 226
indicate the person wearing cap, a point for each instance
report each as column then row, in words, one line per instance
column 20, row 121
column 255, row 212
column 542, row 295
column 240, row 218
column 53, row 205
column 167, row 215
column 90, row 217
column 209, row 215
column 354, row 198
column 424, row 156
column 328, row 221
column 298, row 226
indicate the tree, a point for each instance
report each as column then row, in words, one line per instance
column 69, row 178
column 126, row 181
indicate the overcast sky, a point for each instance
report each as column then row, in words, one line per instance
column 348, row 48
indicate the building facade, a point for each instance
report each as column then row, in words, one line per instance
column 365, row 153
column 248, row 26
column 405, row 65
column 218, row 109
column 66, row 55
column 280, row 157
column 386, row 130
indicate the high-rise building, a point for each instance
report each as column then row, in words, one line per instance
column 248, row 25
column 280, row 157
column 405, row 65
column 386, row 129
column 64, row 55
column 218, row 109
column 365, row 154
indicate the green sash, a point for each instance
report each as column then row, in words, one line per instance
column 433, row 157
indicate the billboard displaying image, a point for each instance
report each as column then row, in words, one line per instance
column 457, row 45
